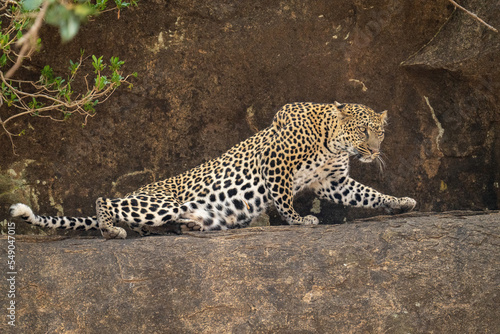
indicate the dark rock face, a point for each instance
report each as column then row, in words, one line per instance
column 212, row 73
column 408, row 274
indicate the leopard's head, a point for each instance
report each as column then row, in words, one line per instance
column 362, row 130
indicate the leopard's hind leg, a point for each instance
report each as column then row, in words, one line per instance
column 138, row 211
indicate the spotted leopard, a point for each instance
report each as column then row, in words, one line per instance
column 308, row 145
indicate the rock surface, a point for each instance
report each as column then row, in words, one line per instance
column 212, row 73
column 404, row 274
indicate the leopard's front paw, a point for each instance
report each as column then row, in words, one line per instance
column 400, row 205
column 307, row 220
column 407, row 204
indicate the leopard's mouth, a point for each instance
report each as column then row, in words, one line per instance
column 364, row 157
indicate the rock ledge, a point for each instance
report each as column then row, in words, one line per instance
column 420, row 273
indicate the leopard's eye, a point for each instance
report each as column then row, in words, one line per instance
column 363, row 129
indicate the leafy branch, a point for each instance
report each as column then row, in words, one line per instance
column 52, row 96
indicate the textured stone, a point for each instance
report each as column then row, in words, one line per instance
column 404, row 274
column 212, row 73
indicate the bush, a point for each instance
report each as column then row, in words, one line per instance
column 52, row 96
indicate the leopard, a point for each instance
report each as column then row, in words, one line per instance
column 307, row 146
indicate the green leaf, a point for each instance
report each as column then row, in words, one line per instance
column 67, row 17
column 55, row 14
column 4, row 39
column 69, row 27
column 97, row 63
column 116, row 78
column 30, row 5
column 101, row 82
column 83, row 11
column 99, row 5
column 89, row 106
column 73, row 67
column 34, row 104
column 47, row 75
column 13, row 99
column 3, row 60
column 116, row 63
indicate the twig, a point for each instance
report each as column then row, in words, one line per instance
column 7, row 2
column 57, row 104
column 473, row 16
column 9, row 135
column 28, row 40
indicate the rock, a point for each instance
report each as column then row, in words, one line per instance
column 414, row 273
column 213, row 73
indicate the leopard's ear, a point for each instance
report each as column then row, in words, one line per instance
column 383, row 116
column 338, row 110
column 339, row 105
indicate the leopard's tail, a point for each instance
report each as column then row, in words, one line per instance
column 71, row 223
